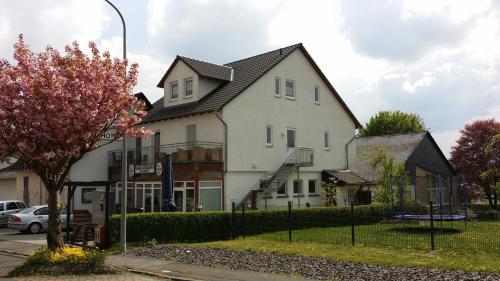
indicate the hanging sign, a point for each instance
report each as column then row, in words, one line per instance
column 131, row 170
column 159, row 169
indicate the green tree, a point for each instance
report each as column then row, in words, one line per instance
column 383, row 162
column 393, row 122
column 329, row 193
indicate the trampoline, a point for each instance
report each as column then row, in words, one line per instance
column 428, row 217
column 430, row 197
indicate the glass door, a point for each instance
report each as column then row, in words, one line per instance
column 179, row 199
column 148, row 198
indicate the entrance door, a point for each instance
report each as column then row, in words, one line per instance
column 180, row 199
column 291, row 144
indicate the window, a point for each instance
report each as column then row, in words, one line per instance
column 210, row 195
column 21, row 205
column 312, row 186
column 269, row 135
column 1, row 207
column 277, row 86
column 11, row 206
column 282, row 189
column 188, row 88
column 156, row 144
column 42, row 212
column 297, row 187
column 174, row 90
column 316, row 94
column 86, row 198
column 290, row 138
column 327, row 140
column 290, row 88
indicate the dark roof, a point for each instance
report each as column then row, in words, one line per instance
column 202, row 68
column 245, row 73
column 147, row 104
column 401, row 146
column 17, row 166
column 347, row 176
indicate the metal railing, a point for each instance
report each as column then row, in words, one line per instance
column 147, row 157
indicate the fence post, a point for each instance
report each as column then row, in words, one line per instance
column 352, row 223
column 243, row 220
column 290, row 221
column 233, row 219
column 432, row 224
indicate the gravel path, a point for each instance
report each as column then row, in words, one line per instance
column 308, row 267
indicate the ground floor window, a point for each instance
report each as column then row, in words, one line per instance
column 312, row 186
column 184, row 196
column 210, row 194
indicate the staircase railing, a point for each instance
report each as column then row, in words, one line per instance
column 271, row 181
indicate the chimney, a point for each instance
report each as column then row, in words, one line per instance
column 281, row 51
column 232, row 74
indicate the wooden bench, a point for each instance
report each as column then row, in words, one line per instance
column 83, row 229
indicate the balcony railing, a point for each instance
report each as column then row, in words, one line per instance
column 147, row 157
column 301, row 156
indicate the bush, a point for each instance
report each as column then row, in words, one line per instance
column 65, row 260
column 211, row 226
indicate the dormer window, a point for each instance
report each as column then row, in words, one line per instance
column 174, row 91
column 188, row 87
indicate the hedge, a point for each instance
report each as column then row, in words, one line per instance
column 211, row 226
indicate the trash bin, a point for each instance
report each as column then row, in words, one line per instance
column 100, row 236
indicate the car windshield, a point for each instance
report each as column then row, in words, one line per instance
column 26, row 211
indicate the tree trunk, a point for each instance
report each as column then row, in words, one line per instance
column 54, row 235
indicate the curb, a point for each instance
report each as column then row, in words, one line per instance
column 164, row 276
column 14, row 253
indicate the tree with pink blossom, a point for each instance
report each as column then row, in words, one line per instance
column 54, row 108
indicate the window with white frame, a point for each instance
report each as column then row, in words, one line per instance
column 277, row 87
column 174, row 90
column 312, row 186
column 188, row 88
column 282, row 189
column 316, row 94
column 327, row 140
column 269, row 135
column 290, row 88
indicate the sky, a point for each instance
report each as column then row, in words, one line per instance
column 439, row 59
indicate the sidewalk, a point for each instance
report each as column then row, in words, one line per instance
column 176, row 271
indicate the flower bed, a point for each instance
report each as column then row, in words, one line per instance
column 70, row 260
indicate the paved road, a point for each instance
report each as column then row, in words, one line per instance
column 14, row 235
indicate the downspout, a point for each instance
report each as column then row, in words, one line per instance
column 225, row 156
column 347, row 151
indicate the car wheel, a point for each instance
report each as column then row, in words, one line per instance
column 35, row 228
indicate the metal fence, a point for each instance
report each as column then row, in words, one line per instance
column 428, row 232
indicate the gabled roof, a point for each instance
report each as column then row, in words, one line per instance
column 147, row 104
column 17, row 166
column 202, row 68
column 245, row 73
column 401, row 146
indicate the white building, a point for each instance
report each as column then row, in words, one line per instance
column 230, row 129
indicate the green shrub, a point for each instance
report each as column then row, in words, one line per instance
column 211, row 226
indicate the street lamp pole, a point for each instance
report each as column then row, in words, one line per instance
column 123, row 203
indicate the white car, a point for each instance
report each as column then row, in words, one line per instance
column 9, row 207
column 35, row 219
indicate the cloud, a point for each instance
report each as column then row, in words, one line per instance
column 386, row 30
column 215, row 31
column 44, row 22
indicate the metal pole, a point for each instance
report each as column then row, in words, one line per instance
column 431, row 211
column 290, row 221
column 352, row 223
column 243, row 219
column 299, row 189
column 233, row 219
column 123, row 205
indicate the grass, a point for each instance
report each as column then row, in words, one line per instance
column 475, row 247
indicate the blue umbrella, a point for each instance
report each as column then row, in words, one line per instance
column 167, row 182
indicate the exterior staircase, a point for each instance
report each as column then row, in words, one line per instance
column 271, row 181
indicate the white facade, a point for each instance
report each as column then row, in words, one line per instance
column 257, row 107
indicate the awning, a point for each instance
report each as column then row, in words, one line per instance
column 345, row 176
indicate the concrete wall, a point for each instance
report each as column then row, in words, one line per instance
column 428, row 157
column 37, row 191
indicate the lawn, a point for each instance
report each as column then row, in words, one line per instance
column 483, row 236
column 471, row 247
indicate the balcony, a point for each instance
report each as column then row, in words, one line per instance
column 145, row 158
column 301, row 156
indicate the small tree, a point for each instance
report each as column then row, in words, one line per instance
column 54, row 108
column 476, row 155
column 393, row 122
column 382, row 161
column 329, row 193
